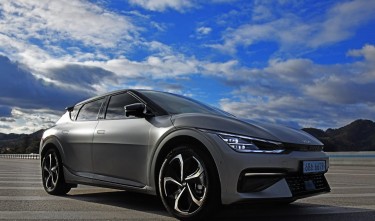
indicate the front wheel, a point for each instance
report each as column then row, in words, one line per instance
column 187, row 184
column 53, row 175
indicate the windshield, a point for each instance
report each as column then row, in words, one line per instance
column 176, row 104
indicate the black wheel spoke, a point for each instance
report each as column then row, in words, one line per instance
column 170, row 181
column 197, row 201
column 179, row 159
column 177, row 201
column 199, row 170
column 45, row 169
column 48, row 181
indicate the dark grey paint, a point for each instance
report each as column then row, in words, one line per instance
column 120, row 149
column 76, row 139
column 241, row 127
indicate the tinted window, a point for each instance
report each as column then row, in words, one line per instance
column 74, row 112
column 116, row 105
column 175, row 104
column 90, row 110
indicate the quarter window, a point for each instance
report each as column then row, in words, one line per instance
column 90, row 110
column 116, row 105
column 74, row 112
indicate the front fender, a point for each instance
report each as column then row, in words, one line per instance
column 190, row 132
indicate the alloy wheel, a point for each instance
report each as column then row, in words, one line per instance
column 51, row 171
column 184, row 183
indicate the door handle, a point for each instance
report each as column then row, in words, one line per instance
column 100, row 131
column 65, row 131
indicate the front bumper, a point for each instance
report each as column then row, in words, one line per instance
column 265, row 176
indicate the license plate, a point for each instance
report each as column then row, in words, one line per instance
column 314, row 166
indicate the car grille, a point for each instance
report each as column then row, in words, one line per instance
column 301, row 147
column 307, row 184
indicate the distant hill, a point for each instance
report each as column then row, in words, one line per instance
column 356, row 136
column 20, row 143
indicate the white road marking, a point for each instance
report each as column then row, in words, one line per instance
column 20, row 181
column 75, row 215
column 32, row 198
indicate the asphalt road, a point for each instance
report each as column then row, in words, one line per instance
column 22, row 197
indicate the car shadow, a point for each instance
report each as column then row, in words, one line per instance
column 124, row 199
column 277, row 212
column 295, row 211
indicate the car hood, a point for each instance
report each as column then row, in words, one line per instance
column 244, row 127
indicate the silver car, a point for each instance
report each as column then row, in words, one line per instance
column 193, row 156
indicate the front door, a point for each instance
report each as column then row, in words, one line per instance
column 120, row 145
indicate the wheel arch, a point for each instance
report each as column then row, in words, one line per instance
column 52, row 142
column 193, row 137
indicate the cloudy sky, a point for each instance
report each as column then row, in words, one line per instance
column 298, row 63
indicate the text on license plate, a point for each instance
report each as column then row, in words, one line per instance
column 314, row 166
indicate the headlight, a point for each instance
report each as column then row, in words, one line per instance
column 249, row 144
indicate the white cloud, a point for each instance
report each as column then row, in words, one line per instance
column 261, row 12
column 342, row 20
column 368, row 52
column 6, row 119
column 204, row 30
column 40, row 33
column 46, row 36
column 59, row 21
column 293, row 31
column 293, row 70
column 155, row 66
column 296, row 88
column 31, row 120
column 162, row 5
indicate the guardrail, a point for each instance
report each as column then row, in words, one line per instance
column 335, row 158
column 365, row 158
column 20, row 156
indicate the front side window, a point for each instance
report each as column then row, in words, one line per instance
column 116, row 105
column 90, row 110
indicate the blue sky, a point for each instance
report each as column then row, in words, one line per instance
column 297, row 63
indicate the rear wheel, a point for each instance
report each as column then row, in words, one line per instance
column 53, row 175
column 187, row 184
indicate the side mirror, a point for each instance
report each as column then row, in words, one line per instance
column 137, row 110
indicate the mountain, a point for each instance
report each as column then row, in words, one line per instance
column 356, row 136
column 20, row 143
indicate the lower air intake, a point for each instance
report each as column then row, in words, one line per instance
column 307, row 184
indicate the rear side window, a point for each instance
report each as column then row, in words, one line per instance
column 116, row 105
column 90, row 110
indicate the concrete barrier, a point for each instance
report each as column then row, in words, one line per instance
column 366, row 158
column 20, row 156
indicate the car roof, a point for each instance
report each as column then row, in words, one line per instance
column 136, row 92
column 101, row 96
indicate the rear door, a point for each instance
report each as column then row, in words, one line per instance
column 120, row 144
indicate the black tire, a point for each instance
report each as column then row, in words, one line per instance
column 53, row 175
column 194, row 193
